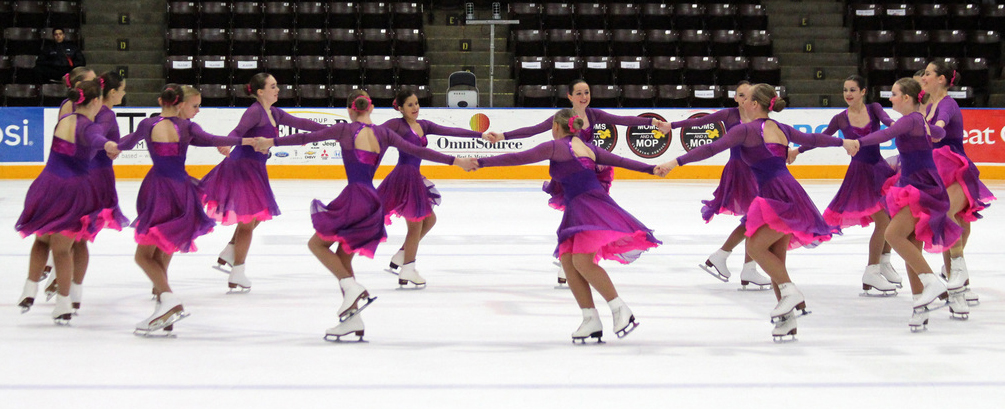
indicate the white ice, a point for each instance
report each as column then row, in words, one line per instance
column 491, row 330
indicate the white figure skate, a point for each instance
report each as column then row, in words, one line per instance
column 624, row 320
column 28, row 295
column 750, row 276
column 238, row 282
column 919, row 317
column 888, row 272
column 51, row 288
column 352, row 292
column 352, row 326
column 792, row 299
column 397, row 260
column 959, row 309
column 934, row 290
column 168, row 311
column 785, row 328
column 590, row 328
column 408, row 274
column 64, row 310
column 225, row 259
column 76, row 295
column 873, row 279
column 716, row 265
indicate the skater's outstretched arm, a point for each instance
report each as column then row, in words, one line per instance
column 532, row 130
column 606, row 158
column 335, row 131
column 143, row 130
column 838, row 122
column 284, row 118
column 203, row 138
column 390, row 138
column 730, row 117
column 536, row 154
column 880, row 114
column 430, row 128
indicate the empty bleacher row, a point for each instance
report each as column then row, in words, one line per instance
column 640, row 96
column 742, row 15
column 315, row 50
column 897, row 39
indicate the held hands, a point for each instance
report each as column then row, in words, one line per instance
column 225, row 150
column 663, row 169
column 468, row 164
column 664, row 127
column 262, row 145
column 851, row 146
column 493, row 136
column 112, row 149
column 792, row 156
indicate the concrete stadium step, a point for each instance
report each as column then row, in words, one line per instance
column 137, row 17
column 813, row 101
column 140, row 99
column 102, row 43
column 820, row 45
column 795, row 19
column 135, row 70
column 820, row 87
column 125, row 57
column 808, row 7
column 811, row 32
column 818, row 59
column 799, row 72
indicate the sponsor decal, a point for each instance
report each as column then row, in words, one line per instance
column 22, row 135
column 282, row 154
column 984, row 135
column 479, row 123
column 605, row 136
column 647, row 141
column 694, row 136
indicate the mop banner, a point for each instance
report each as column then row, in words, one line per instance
column 26, row 134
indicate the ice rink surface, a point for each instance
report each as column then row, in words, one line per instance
column 491, row 330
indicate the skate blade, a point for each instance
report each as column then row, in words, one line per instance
column 784, row 339
column 582, row 340
column 627, row 330
column 219, row 267
column 715, row 273
column 757, row 287
column 165, row 333
column 391, row 271
column 919, row 328
column 414, row 287
column 359, row 308
column 63, row 320
column 880, row 294
column 167, row 321
column 337, row 339
column 959, row 316
column 561, row 287
column 237, row 289
column 935, row 305
column 26, row 304
column 45, row 273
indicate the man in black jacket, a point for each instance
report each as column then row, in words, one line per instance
column 58, row 57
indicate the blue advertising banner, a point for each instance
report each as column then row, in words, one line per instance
column 22, row 136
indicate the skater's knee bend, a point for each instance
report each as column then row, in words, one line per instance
column 583, row 261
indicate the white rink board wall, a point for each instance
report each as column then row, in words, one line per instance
column 641, row 143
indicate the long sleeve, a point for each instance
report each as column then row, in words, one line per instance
column 431, row 128
column 734, row 137
column 606, row 158
column 251, row 117
column 283, row 118
column 601, row 117
column 901, row 127
column 93, row 136
column 143, row 130
column 393, row 139
column 722, row 115
column 536, row 154
column 880, row 114
column 203, row 138
column 832, row 128
column 938, row 132
column 326, row 133
column 811, row 139
column 532, row 130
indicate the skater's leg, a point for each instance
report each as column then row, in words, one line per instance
column 594, row 274
column 242, row 241
column 737, row 236
column 878, row 240
column 412, row 238
column 39, row 256
column 759, row 246
column 322, row 250
column 899, row 233
column 151, row 262
column 81, row 258
column 62, row 256
column 577, row 284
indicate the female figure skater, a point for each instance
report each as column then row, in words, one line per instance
column 355, row 218
column 405, row 192
column 80, row 252
column 737, row 189
column 593, row 226
column 782, row 216
column 967, row 195
column 169, row 215
column 861, row 198
column 61, row 206
column 918, row 201
column 237, row 191
column 579, row 96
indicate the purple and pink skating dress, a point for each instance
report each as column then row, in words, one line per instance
column 237, row 190
column 952, row 162
column 591, row 222
column 103, row 175
column 781, row 203
column 737, row 185
column 63, row 198
column 594, row 116
column 863, row 190
column 919, row 186
column 405, row 192
column 355, row 219
column 169, row 212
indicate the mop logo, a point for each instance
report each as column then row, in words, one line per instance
column 647, row 141
column 605, row 136
column 21, row 136
column 694, row 136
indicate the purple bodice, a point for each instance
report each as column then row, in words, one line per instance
column 768, row 166
column 249, row 152
column 405, row 131
column 106, row 118
column 867, row 154
column 948, row 111
column 255, row 123
column 360, row 165
column 64, row 161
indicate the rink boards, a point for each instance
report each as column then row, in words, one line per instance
column 25, row 140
